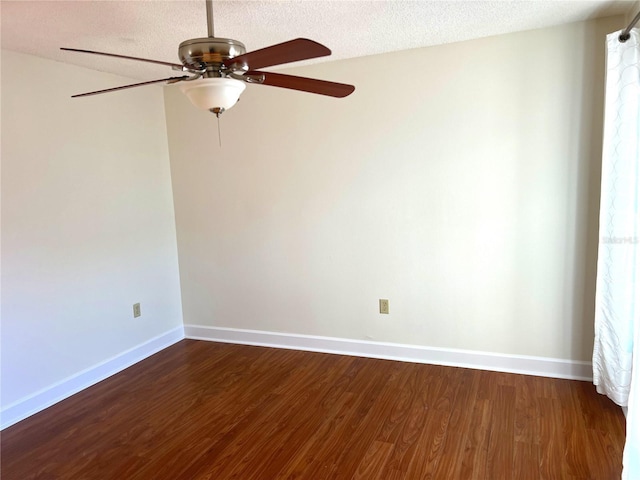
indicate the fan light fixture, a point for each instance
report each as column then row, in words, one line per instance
column 213, row 94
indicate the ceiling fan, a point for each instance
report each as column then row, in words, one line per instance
column 219, row 68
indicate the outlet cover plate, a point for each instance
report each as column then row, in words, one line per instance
column 384, row 306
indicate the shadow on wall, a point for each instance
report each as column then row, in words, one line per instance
column 559, row 204
column 585, row 174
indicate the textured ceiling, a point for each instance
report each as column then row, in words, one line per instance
column 153, row 29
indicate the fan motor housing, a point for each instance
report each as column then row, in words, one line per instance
column 197, row 53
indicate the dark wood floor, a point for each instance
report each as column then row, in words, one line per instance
column 201, row 410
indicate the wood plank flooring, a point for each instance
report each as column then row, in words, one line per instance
column 202, row 410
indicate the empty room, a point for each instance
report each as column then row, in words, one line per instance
column 320, row 239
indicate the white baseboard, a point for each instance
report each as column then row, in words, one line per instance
column 528, row 365
column 65, row 388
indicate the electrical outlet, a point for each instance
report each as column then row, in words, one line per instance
column 136, row 310
column 384, row 305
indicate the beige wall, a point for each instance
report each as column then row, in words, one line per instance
column 459, row 181
column 87, row 224
column 632, row 11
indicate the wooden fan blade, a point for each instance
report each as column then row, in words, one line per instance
column 126, row 57
column 311, row 85
column 287, row 52
column 107, row 90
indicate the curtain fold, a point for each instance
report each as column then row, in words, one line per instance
column 616, row 353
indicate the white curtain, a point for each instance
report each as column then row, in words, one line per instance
column 616, row 353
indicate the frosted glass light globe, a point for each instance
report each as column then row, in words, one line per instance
column 213, row 93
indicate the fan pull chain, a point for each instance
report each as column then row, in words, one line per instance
column 219, row 137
